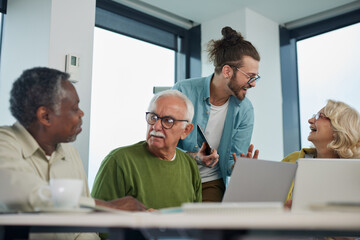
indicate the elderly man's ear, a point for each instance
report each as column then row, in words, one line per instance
column 189, row 127
column 42, row 115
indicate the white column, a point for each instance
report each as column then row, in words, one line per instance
column 41, row 33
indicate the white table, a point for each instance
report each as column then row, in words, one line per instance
column 201, row 226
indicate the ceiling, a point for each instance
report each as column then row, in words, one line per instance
column 280, row 11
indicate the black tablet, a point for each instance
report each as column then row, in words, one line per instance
column 201, row 134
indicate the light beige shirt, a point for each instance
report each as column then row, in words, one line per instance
column 24, row 168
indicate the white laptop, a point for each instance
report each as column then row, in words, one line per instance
column 256, row 186
column 319, row 182
column 255, row 180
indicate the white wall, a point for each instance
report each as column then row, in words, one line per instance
column 41, row 33
column 72, row 31
column 25, row 44
column 266, row 96
column 211, row 30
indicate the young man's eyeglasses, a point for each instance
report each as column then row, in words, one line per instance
column 251, row 79
column 319, row 115
column 167, row 122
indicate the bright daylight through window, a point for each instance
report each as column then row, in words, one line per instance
column 125, row 70
column 328, row 68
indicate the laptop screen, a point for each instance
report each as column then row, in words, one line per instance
column 255, row 180
column 321, row 181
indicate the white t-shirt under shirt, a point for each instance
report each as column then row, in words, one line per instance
column 213, row 133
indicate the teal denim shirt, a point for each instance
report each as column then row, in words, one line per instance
column 238, row 125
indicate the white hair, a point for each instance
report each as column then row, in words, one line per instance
column 174, row 93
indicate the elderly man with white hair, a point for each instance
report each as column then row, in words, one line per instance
column 154, row 171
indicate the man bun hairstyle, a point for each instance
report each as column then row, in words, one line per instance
column 230, row 49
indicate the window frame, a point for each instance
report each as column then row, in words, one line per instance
column 3, row 6
column 289, row 72
column 1, row 32
column 186, row 43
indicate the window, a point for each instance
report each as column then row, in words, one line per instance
column 125, row 70
column 133, row 52
column 328, row 68
column 293, row 68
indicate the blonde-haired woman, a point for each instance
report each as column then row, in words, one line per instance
column 334, row 132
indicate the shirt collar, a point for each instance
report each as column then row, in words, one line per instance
column 309, row 152
column 29, row 144
column 206, row 90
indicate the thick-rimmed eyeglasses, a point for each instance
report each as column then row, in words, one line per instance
column 319, row 115
column 251, row 79
column 167, row 122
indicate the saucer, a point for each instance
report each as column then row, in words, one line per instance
column 63, row 210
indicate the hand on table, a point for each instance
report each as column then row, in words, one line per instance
column 127, row 203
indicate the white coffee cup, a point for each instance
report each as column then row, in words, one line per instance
column 64, row 193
